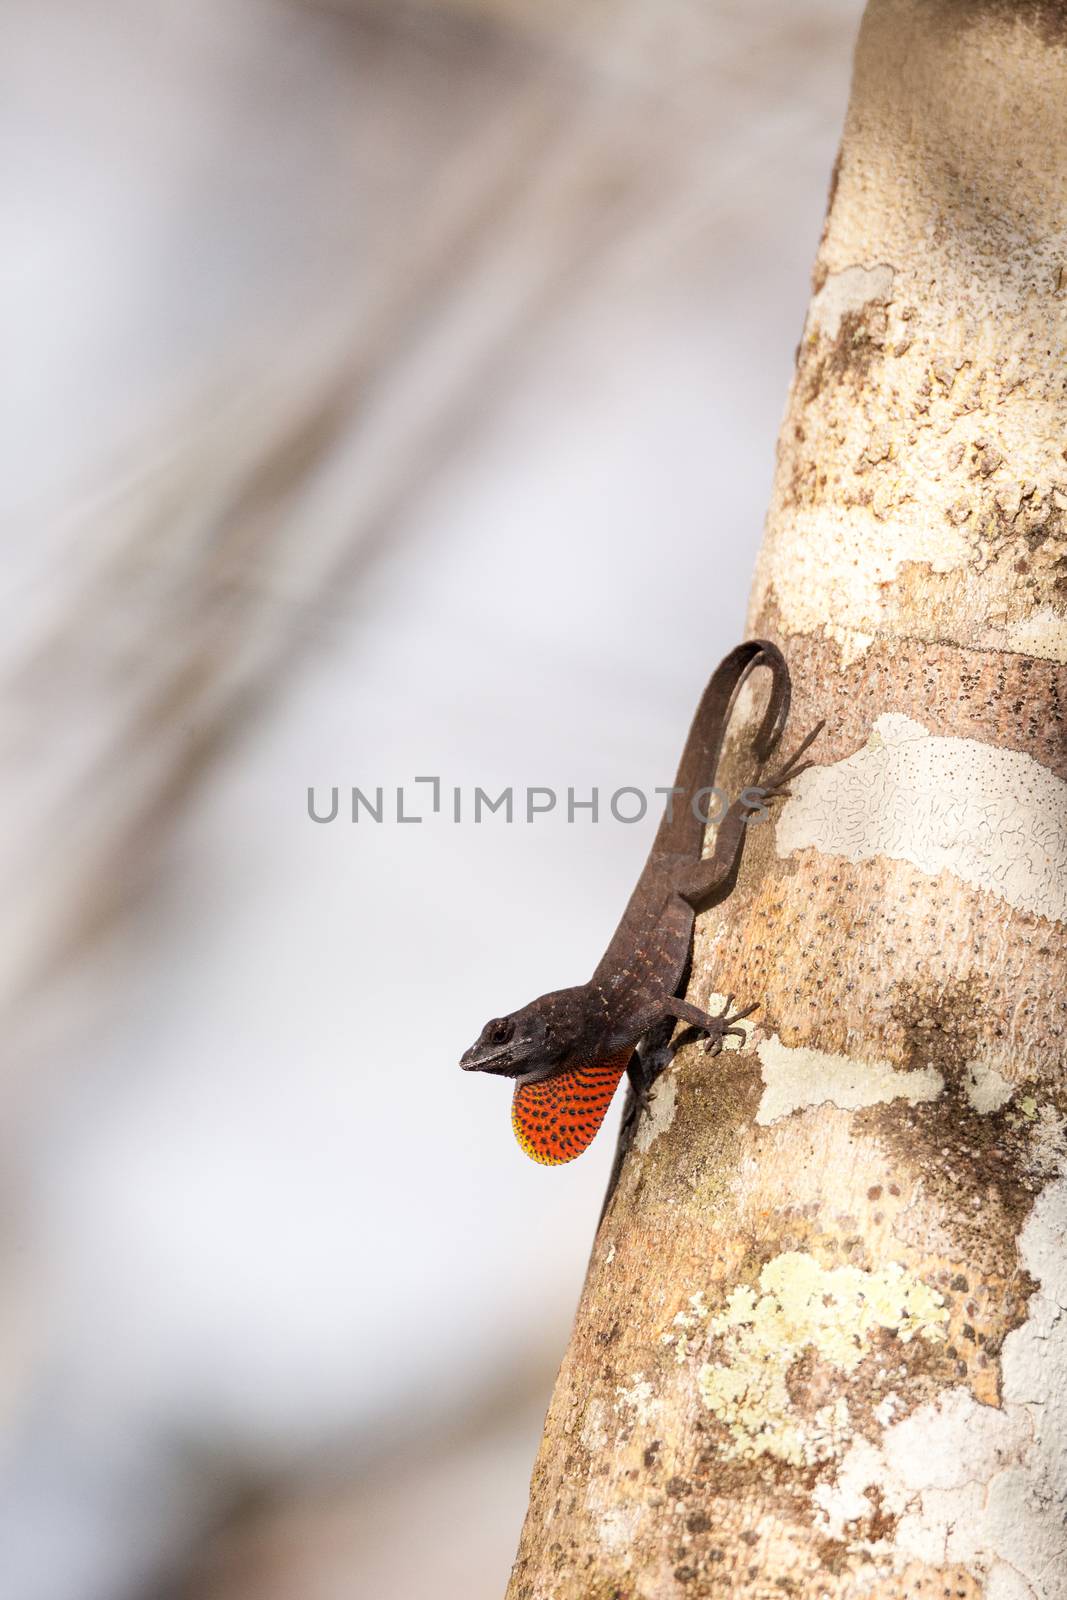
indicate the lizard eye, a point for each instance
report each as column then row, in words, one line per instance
column 500, row 1031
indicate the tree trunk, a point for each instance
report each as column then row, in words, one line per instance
column 821, row 1349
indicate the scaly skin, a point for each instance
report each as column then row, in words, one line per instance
column 567, row 1050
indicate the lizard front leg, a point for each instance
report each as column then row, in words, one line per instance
column 656, row 1049
column 647, row 1064
column 650, row 1056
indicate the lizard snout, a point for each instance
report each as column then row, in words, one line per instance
column 482, row 1060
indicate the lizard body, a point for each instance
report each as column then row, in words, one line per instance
column 568, row 1050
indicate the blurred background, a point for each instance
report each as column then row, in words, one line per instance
column 391, row 390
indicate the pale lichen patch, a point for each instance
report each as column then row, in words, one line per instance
column 796, row 1078
column 986, row 1088
column 1047, row 1146
column 981, row 1487
column 662, row 1107
column 821, row 586
column 638, row 1398
column 594, row 1433
column 887, row 1408
column 684, row 1323
column 846, row 292
column 995, row 818
column 801, row 1305
column 1043, row 633
column 618, row 1528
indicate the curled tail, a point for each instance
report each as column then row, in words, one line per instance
column 682, row 831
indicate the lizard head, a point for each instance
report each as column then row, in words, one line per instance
column 526, row 1045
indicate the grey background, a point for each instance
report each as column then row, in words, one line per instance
column 391, row 389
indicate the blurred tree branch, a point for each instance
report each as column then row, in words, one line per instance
column 184, row 596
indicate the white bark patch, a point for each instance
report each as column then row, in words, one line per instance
column 985, row 1087
column 594, row 1433
column 618, row 1524
column 639, row 1399
column 1047, row 1153
column 887, row 1408
column 618, row 1528
column 974, row 1485
column 995, row 818
column 820, row 572
column 685, row 1321
column 796, row 1078
column 849, row 291
column 660, row 1113
column 923, row 1451
column 1043, row 633
column 802, row 1305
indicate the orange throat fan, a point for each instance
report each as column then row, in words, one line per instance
column 556, row 1120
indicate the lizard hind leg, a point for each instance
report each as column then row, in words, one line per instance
column 774, row 787
column 556, row 1120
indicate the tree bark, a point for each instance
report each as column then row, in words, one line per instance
column 822, row 1345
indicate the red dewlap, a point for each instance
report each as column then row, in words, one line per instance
column 555, row 1121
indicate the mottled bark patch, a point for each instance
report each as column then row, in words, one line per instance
column 824, row 942
column 1046, row 18
column 801, row 1309
column 977, row 1160
column 1012, row 701
column 847, row 357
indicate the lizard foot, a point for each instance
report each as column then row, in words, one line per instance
column 774, row 788
column 720, row 1025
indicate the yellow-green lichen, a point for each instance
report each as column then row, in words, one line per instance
column 801, row 1306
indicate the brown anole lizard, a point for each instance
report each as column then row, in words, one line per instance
column 568, row 1050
